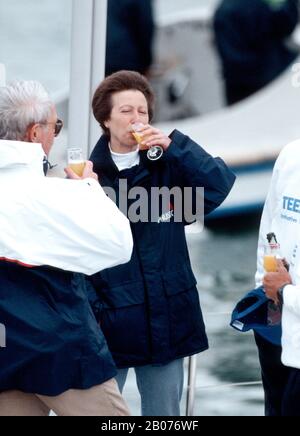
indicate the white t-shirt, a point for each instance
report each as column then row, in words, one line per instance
column 125, row 160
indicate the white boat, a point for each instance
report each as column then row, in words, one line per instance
column 248, row 135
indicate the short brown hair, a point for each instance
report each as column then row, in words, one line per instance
column 118, row 82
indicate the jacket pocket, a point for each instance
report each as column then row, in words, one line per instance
column 129, row 294
column 185, row 317
column 124, row 323
column 176, row 282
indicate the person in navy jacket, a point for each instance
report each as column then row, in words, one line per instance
column 130, row 32
column 53, row 231
column 251, row 41
column 151, row 316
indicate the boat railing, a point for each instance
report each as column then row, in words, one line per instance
column 192, row 375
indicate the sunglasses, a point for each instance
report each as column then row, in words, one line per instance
column 58, row 125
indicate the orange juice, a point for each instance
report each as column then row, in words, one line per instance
column 137, row 137
column 77, row 167
column 270, row 263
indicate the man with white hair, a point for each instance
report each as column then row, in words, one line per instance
column 52, row 229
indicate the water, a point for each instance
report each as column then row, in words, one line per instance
column 224, row 262
column 35, row 44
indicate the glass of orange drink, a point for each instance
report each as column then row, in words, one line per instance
column 270, row 263
column 75, row 160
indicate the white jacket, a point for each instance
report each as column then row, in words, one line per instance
column 281, row 215
column 67, row 224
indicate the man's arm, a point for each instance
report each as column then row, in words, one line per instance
column 83, row 230
column 291, row 298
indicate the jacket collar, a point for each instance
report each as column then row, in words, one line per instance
column 19, row 154
column 104, row 164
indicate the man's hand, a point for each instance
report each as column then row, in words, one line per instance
column 88, row 172
column 274, row 280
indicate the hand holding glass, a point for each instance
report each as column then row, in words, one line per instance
column 76, row 161
column 155, row 152
column 270, row 263
column 270, row 257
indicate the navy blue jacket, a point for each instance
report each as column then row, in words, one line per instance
column 250, row 36
column 130, row 30
column 53, row 342
column 151, row 312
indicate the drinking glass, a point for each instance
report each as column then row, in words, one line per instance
column 270, row 260
column 155, row 152
column 75, row 160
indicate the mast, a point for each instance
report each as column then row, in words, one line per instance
column 87, row 70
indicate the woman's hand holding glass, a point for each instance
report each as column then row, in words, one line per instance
column 151, row 139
